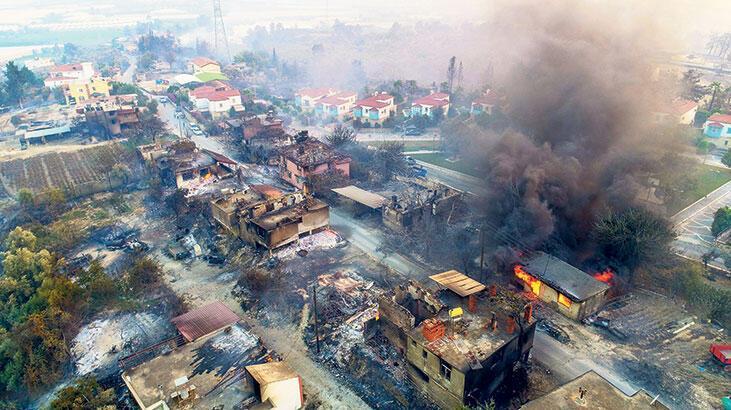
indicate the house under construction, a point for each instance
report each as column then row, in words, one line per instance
column 460, row 342
column 264, row 216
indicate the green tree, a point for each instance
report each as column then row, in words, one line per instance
column 121, row 172
column 691, row 88
column 721, row 220
column 17, row 80
column 715, row 88
column 26, row 199
column 726, row 159
column 143, row 274
column 634, row 236
column 389, row 161
column 340, row 136
column 86, row 394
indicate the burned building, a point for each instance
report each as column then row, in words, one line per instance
column 263, row 218
column 261, row 126
column 112, row 114
column 425, row 200
column 201, row 367
column 571, row 291
column 308, row 157
column 185, row 165
column 461, row 341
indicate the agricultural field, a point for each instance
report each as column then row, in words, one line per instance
column 76, row 172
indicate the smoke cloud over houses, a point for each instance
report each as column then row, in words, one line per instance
column 576, row 78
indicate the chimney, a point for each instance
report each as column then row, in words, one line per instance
column 510, row 326
column 493, row 290
column 493, row 322
column 472, row 303
column 528, row 313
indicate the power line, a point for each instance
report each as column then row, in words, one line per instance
column 219, row 31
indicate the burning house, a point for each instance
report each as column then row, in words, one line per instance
column 425, row 200
column 592, row 391
column 202, row 367
column 571, row 291
column 308, row 157
column 262, row 217
column 460, row 342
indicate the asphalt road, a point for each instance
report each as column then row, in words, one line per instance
column 454, row 179
column 693, row 225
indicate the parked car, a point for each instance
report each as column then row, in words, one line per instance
column 164, row 100
column 413, row 131
column 418, row 171
column 194, row 127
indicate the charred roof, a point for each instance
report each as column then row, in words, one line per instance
column 310, row 152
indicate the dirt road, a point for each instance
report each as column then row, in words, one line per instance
column 200, row 283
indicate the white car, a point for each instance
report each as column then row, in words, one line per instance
column 164, row 100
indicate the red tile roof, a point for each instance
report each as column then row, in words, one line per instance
column 489, row 98
column 433, row 100
column 316, row 92
column 724, row 118
column 210, row 93
column 67, row 67
column 715, row 125
column 337, row 99
column 678, row 107
column 376, row 101
column 204, row 320
column 203, row 61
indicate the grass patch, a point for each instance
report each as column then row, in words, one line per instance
column 707, row 179
column 441, row 161
column 408, row 145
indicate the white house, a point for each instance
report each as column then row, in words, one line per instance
column 204, row 65
column 216, row 101
column 68, row 73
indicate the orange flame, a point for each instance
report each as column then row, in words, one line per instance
column 533, row 283
column 607, row 276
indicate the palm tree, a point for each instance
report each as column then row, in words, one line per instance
column 716, row 87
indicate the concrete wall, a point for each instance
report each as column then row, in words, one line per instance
column 447, row 394
column 284, row 394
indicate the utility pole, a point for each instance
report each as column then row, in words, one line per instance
column 219, row 31
column 317, row 330
column 482, row 253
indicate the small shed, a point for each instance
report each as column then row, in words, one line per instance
column 277, row 385
column 204, row 320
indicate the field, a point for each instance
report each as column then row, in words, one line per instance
column 77, row 172
column 440, row 159
column 410, row 145
column 707, row 178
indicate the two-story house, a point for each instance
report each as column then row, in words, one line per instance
column 204, row 65
column 375, row 109
column 430, row 104
column 718, row 128
column 216, row 100
column 307, row 98
column 486, row 103
column 460, row 341
column 308, row 157
column 65, row 74
column 78, row 91
column 337, row 106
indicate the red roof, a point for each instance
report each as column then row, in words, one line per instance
column 678, row 107
column 715, row 125
column 489, row 98
column 337, row 99
column 220, row 157
column 315, row 92
column 433, row 100
column 376, row 101
column 68, row 67
column 202, row 61
column 724, row 118
column 210, row 93
column 204, row 320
